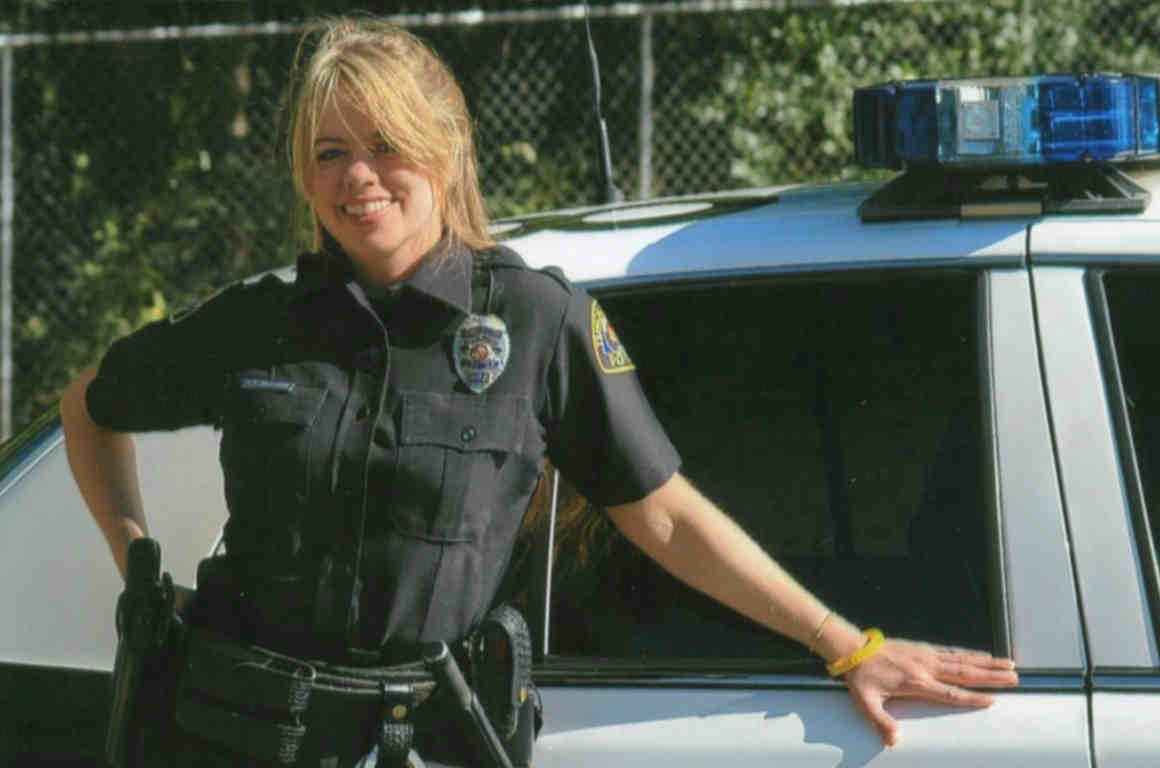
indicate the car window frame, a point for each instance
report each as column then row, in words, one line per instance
column 808, row 671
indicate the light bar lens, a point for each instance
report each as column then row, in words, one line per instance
column 1007, row 121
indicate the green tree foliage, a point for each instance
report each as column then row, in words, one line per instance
column 136, row 183
column 786, row 79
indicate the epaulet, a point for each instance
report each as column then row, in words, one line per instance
column 557, row 274
column 500, row 256
column 280, row 278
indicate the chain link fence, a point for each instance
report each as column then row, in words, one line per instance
column 145, row 169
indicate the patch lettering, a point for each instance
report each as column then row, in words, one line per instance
column 610, row 353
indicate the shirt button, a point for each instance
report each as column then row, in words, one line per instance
column 468, row 434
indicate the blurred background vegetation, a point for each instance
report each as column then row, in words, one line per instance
column 149, row 173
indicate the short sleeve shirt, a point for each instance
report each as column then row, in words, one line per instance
column 351, row 431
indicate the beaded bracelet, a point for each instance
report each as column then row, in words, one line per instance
column 874, row 641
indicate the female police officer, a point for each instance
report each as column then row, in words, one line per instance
column 385, row 417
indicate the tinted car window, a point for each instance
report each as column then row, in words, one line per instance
column 838, row 422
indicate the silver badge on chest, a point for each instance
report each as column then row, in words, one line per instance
column 481, row 349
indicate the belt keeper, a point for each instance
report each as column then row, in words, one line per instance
column 396, row 732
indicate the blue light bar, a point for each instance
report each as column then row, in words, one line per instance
column 1009, row 121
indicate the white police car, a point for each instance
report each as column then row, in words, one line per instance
column 936, row 401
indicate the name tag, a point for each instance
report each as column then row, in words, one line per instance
column 268, row 385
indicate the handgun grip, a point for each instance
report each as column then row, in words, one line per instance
column 142, row 562
column 144, row 613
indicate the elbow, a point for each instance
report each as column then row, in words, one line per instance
column 659, row 526
column 649, row 526
column 652, row 523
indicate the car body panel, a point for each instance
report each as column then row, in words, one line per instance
column 804, row 230
column 1126, row 727
column 695, row 727
column 1096, row 241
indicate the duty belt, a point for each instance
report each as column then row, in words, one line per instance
column 273, row 707
column 276, row 708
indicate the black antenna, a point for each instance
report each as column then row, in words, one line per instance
column 611, row 193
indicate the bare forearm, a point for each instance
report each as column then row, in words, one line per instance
column 700, row 545
column 103, row 463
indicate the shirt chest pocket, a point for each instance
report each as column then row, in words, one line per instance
column 267, row 446
column 456, row 452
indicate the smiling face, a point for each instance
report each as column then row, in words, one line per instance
column 382, row 209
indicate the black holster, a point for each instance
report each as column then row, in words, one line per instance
column 147, row 632
column 501, row 666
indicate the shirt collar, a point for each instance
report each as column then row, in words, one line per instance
column 444, row 274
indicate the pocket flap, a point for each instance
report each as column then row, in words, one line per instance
column 276, row 402
column 464, row 422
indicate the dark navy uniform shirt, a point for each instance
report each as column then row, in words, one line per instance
column 360, row 471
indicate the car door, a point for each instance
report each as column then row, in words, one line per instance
column 884, row 434
column 1096, row 283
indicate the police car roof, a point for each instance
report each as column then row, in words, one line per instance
column 802, row 228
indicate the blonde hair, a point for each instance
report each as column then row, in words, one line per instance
column 408, row 93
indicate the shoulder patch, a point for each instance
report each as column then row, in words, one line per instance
column 610, row 353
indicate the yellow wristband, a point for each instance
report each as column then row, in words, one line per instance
column 874, row 641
